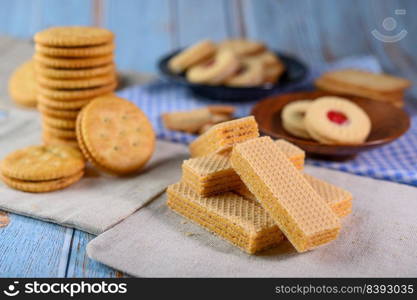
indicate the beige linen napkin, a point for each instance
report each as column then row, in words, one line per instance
column 97, row 201
column 378, row 239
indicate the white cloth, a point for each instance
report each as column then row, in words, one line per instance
column 97, row 201
column 378, row 239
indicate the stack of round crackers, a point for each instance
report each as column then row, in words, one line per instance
column 73, row 66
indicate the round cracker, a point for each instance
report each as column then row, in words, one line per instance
column 38, row 163
column 22, row 85
column 59, row 122
column 49, row 139
column 75, row 51
column 73, row 36
column 76, row 83
column 73, row 63
column 77, row 94
column 58, row 132
column 66, row 104
column 57, row 113
column 117, row 134
column 41, row 186
column 74, row 73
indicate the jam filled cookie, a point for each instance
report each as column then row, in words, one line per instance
column 293, row 116
column 335, row 120
column 216, row 70
column 191, row 56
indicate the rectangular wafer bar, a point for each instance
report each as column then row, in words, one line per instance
column 212, row 174
column 299, row 211
column 241, row 222
column 339, row 200
column 224, row 135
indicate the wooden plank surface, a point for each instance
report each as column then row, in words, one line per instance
column 32, row 248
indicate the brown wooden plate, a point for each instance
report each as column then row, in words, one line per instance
column 388, row 124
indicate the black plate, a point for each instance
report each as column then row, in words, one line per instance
column 295, row 72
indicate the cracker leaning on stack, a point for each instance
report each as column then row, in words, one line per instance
column 73, row 65
column 380, row 87
column 22, row 85
column 252, row 192
column 235, row 63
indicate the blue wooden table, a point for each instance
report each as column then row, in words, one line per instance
column 314, row 30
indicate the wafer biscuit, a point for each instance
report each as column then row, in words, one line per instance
column 73, row 63
column 75, row 51
column 41, row 186
column 224, row 135
column 212, row 174
column 41, row 163
column 74, row 73
column 73, row 36
column 303, row 216
column 339, row 200
column 239, row 221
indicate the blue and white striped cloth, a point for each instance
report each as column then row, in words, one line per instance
column 395, row 162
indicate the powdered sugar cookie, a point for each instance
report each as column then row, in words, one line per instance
column 293, row 118
column 216, row 70
column 191, row 56
column 335, row 120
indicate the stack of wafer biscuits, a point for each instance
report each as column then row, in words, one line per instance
column 380, row 87
column 73, row 65
column 236, row 187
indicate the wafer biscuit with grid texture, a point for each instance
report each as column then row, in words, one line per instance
column 224, row 135
column 39, row 163
column 75, row 51
column 339, row 200
column 212, row 174
column 299, row 211
column 239, row 221
column 41, row 186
